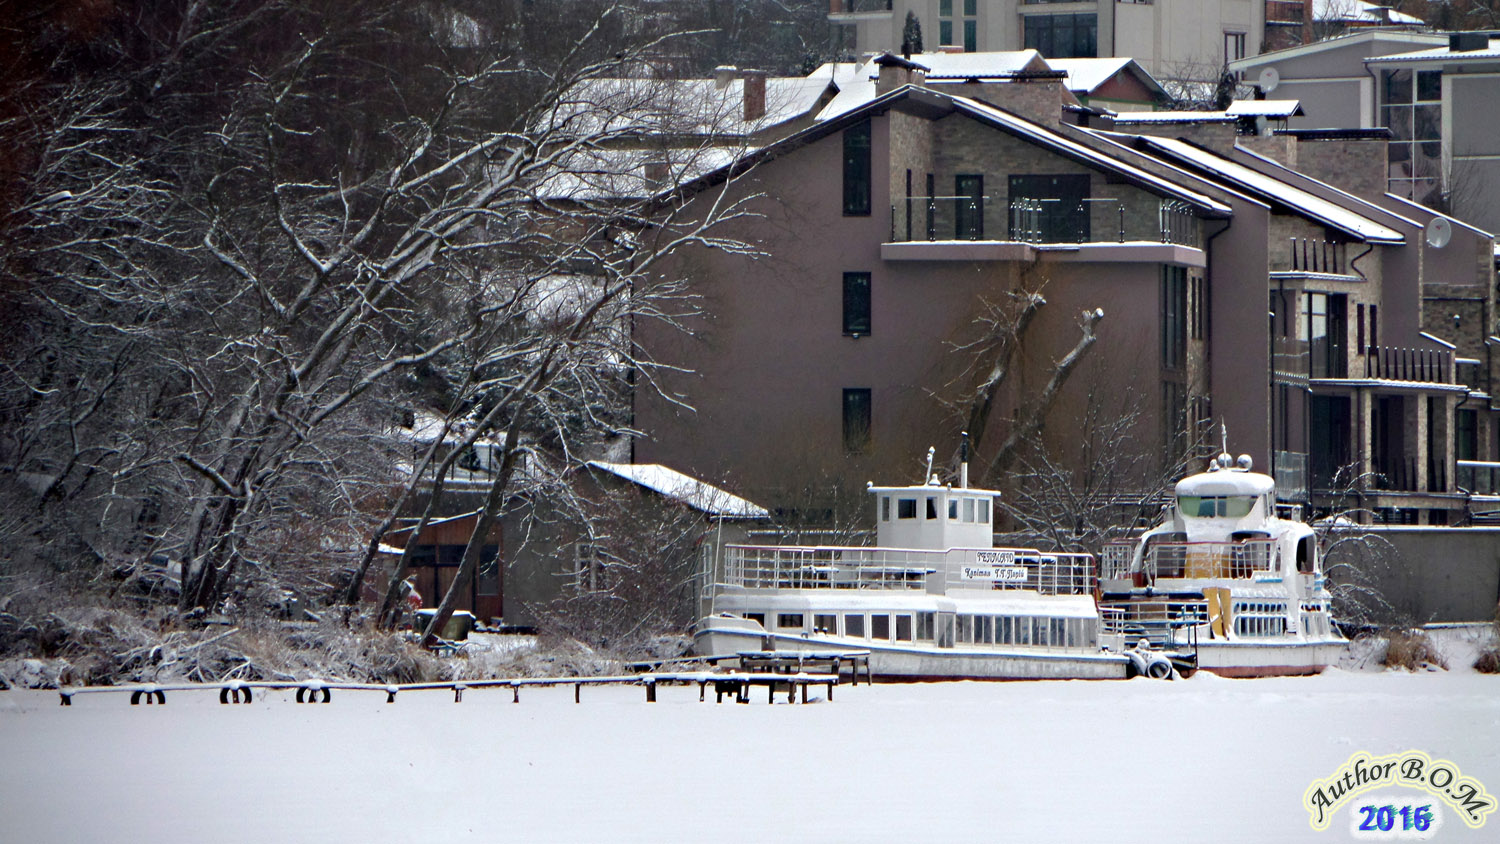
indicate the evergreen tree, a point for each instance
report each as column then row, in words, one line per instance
column 911, row 34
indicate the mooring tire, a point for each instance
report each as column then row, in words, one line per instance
column 1159, row 669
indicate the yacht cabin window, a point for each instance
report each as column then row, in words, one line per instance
column 1232, row 506
column 880, row 627
column 854, row 625
column 906, row 508
column 931, row 507
column 953, row 509
column 885, row 508
column 968, row 509
column 789, row 620
column 903, row 628
column 983, row 505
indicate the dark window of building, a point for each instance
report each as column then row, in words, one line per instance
column 1466, row 434
column 971, row 36
column 1173, row 317
column 857, row 170
column 856, row 420
column 857, row 303
column 1411, row 107
column 1064, row 216
column 945, row 32
column 1063, row 36
column 1327, row 334
column 968, row 211
column 1328, row 438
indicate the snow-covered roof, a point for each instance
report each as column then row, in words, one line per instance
column 1442, row 54
column 427, row 426
column 1077, row 151
column 1362, row 37
column 684, row 488
column 948, row 66
column 1142, row 117
column 1358, row 11
column 1279, row 192
column 1265, row 108
column 684, row 106
column 1084, row 76
column 602, row 174
column 852, row 94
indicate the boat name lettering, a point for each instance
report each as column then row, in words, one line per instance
column 999, row 558
column 1002, row 574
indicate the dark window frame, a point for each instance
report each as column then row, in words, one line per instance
column 858, row 413
column 857, row 304
column 857, row 170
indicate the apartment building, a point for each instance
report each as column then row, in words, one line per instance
column 1173, row 39
column 1234, row 288
column 1437, row 94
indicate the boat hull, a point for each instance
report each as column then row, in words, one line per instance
column 911, row 663
column 1269, row 659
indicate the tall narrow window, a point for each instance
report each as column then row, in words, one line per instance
column 857, row 170
column 856, row 304
column 856, row 420
column 1173, row 317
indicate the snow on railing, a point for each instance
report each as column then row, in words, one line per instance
column 844, row 567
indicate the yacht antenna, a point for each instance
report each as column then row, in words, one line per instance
column 930, row 452
column 963, row 461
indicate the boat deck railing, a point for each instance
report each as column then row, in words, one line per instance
column 1204, row 560
column 1163, row 623
column 845, row 567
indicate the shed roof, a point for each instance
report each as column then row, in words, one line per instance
column 686, row 489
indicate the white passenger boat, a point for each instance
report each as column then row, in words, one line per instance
column 1224, row 576
column 934, row 599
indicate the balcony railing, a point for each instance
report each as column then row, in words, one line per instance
column 1479, row 477
column 1428, row 366
column 1307, row 255
column 1197, row 560
column 1040, row 221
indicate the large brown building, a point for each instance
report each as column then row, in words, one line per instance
column 1312, row 321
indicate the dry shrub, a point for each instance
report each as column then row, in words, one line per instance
column 1488, row 661
column 1411, row 649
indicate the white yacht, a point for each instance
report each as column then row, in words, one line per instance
column 1223, row 576
column 934, row 599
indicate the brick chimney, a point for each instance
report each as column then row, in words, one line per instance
column 755, row 94
column 896, row 71
column 1350, row 159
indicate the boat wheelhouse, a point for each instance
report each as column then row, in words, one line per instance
column 932, row 599
column 1225, row 577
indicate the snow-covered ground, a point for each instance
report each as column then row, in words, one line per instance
column 1204, row 759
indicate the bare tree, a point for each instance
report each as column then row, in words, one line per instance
column 233, row 257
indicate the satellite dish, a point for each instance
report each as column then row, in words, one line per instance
column 1439, row 232
column 1270, row 77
